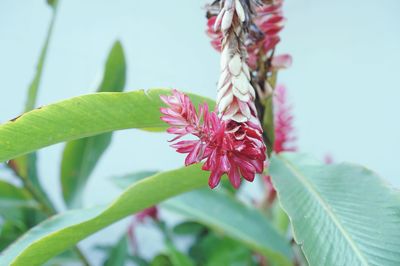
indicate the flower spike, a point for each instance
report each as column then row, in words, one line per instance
column 231, row 148
column 236, row 95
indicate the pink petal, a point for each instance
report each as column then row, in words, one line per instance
column 281, row 61
column 234, row 177
column 214, row 179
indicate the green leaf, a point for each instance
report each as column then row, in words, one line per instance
column 280, row 218
column 52, row 3
column 9, row 232
column 268, row 124
column 84, row 116
column 119, row 253
column 68, row 257
column 224, row 213
column 138, row 261
column 341, row 214
column 81, row 156
column 12, row 199
column 34, row 86
column 213, row 250
column 63, row 231
column 188, row 228
column 178, row 258
column 161, row 260
column 127, row 180
column 114, row 76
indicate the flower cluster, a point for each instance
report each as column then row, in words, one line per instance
column 230, row 140
column 228, row 147
column 262, row 37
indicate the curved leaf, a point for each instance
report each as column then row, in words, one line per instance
column 224, row 213
column 81, row 156
column 63, row 231
column 341, row 214
column 83, row 116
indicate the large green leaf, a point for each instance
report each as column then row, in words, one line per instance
column 81, row 156
column 224, row 213
column 83, row 116
column 63, row 231
column 341, row 214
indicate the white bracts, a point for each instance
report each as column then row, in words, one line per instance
column 236, row 95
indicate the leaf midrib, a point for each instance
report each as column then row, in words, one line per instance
column 313, row 191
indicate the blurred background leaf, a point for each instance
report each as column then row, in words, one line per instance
column 188, row 228
column 161, row 260
column 13, row 199
column 127, row 180
column 214, row 250
column 178, row 258
column 81, row 156
column 119, row 253
column 223, row 213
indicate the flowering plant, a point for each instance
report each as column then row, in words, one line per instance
column 294, row 209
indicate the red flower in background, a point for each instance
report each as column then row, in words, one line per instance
column 151, row 213
column 140, row 218
column 228, row 147
column 284, row 139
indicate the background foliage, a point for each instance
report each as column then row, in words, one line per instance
column 332, row 197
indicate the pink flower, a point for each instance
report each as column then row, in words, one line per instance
column 140, row 218
column 271, row 192
column 283, row 134
column 236, row 149
column 181, row 114
column 151, row 212
column 228, row 147
column 283, row 122
column 328, row 159
column 281, row 61
column 215, row 36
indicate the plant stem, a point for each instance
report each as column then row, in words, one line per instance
column 45, row 205
column 81, row 256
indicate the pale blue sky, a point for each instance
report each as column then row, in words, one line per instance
column 344, row 82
